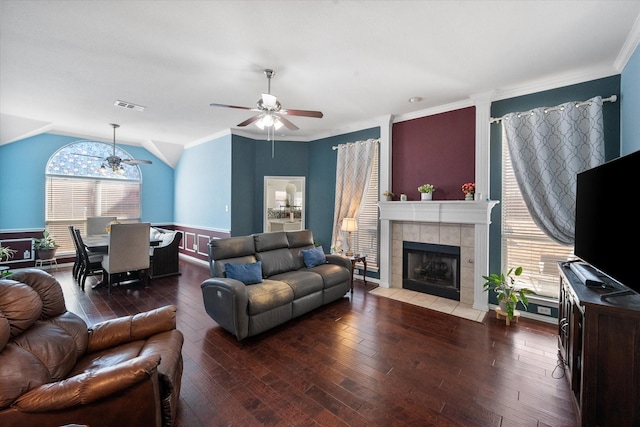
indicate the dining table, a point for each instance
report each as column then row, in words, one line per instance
column 99, row 243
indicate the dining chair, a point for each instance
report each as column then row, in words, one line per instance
column 90, row 265
column 98, row 224
column 76, row 262
column 128, row 253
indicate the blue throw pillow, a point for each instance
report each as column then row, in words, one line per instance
column 248, row 274
column 313, row 257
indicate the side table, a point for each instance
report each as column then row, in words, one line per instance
column 358, row 258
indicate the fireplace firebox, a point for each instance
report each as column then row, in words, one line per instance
column 432, row 269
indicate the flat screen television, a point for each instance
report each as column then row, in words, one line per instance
column 607, row 220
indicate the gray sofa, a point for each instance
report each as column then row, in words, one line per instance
column 288, row 288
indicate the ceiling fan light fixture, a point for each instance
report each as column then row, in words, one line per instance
column 269, row 101
column 102, row 169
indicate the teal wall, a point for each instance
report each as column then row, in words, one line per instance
column 203, row 185
column 579, row 92
column 630, row 105
column 22, row 178
column 321, row 182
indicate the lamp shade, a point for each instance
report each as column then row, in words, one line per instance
column 349, row 224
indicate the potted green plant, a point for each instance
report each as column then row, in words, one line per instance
column 5, row 254
column 45, row 247
column 426, row 191
column 505, row 287
column 389, row 195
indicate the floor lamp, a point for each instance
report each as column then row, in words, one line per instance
column 349, row 225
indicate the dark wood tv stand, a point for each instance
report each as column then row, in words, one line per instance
column 599, row 343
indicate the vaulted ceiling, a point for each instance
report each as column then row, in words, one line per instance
column 63, row 64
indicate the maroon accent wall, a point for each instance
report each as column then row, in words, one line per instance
column 438, row 150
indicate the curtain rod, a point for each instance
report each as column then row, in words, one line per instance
column 612, row 98
column 335, row 147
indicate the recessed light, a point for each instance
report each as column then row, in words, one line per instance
column 415, row 99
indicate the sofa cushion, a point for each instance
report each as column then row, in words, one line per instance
column 269, row 241
column 268, row 295
column 249, row 274
column 167, row 238
column 300, row 238
column 232, row 247
column 218, row 267
column 303, row 282
column 313, row 257
column 276, row 261
column 332, row 274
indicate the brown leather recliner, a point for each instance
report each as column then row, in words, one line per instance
column 54, row 370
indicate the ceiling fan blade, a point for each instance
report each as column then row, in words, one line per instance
column 136, row 162
column 287, row 123
column 231, row 106
column 88, row 155
column 250, row 120
column 305, row 113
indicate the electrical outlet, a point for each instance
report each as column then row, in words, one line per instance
column 26, row 255
column 544, row 310
column 226, row 208
column 195, row 247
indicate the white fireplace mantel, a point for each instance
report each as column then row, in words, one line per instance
column 447, row 211
column 474, row 212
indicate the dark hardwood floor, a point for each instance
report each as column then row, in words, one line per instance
column 363, row 360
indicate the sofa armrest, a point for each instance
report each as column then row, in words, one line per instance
column 340, row 260
column 226, row 301
column 90, row 387
column 125, row 329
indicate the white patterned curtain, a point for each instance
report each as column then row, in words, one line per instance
column 353, row 174
column 548, row 148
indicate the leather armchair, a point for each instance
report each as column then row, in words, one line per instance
column 54, row 370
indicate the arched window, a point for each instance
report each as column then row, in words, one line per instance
column 78, row 187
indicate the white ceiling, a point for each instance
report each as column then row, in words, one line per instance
column 63, row 64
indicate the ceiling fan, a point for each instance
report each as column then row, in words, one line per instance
column 271, row 111
column 114, row 161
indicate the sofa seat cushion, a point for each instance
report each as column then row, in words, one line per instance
column 268, row 295
column 302, row 282
column 332, row 274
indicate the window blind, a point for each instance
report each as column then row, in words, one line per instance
column 70, row 200
column 366, row 238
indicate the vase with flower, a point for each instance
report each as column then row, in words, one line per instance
column 426, row 191
column 469, row 189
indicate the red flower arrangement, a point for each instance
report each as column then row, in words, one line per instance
column 469, row 187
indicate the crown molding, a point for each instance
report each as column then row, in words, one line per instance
column 630, row 45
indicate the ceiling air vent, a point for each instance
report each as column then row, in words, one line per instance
column 129, row 105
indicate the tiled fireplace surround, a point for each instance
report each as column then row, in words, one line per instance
column 456, row 223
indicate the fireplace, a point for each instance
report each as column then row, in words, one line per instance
column 432, row 269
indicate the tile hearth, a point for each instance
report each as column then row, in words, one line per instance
column 431, row 302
